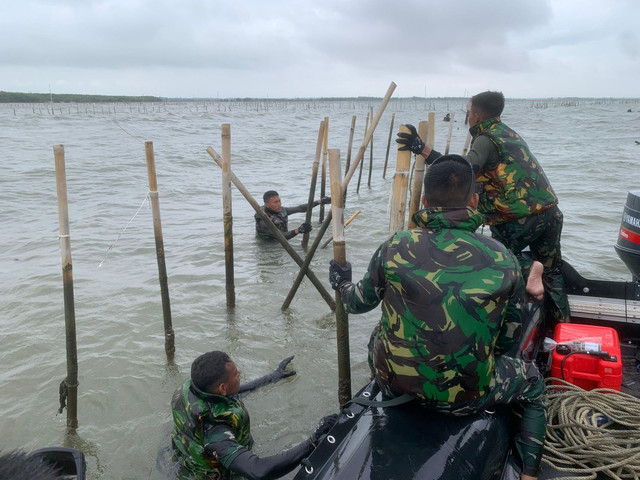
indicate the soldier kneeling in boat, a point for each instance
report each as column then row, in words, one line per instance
column 279, row 215
column 451, row 310
column 211, row 436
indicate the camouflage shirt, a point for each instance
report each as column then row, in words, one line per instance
column 451, row 301
column 280, row 220
column 514, row 184
column 195, row 414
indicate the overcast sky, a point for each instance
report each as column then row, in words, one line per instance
column 321, row 48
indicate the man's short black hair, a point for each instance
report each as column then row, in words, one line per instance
column 268, row 194
column 209, row 370
column 449, row 182
column 489, row 103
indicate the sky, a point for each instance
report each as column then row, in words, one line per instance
column 321, row 48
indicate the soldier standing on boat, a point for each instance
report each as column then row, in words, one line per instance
column 279, row 215
column 212, row 438
column 451, row 310
column 517, row 200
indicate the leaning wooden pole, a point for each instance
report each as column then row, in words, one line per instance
column 227, row 216
column 346, row 224
column 345, row 183
column 446, row 150
column 400, row 184
column 323, row 182
column 348, row 164
column 314, row 180
column 169, row 344
column 340, row 256
column 386, row 158
column 418, row 177
column 366, row 128
column 274, row 230
column 467, row 142
column 69, row 386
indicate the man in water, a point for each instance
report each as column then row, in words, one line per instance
column 517, row 200
column 211, row 436
column 279, row 215
column 451, row 307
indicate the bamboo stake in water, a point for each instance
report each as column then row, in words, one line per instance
column 348, row 164
column 418, row 177
column 324, row 166
column 370, row 157
column 314, row 180
column 340, row 256
column 400, row 184
column 366, row 127
column 346, row 224
column 69, row 386
column 227, row 216
column 169, row 344
column 386, row 158
column 467, row 142
column 274, row 230
column 446, row 150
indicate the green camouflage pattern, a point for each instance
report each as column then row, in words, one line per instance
column 451, row 301
column 279, row 219
column 194, row 413
column 515, row 186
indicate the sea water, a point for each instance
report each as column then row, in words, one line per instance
column 587, row 148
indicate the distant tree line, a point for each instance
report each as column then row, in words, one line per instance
column 18, row 97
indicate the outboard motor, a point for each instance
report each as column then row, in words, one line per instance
column 628, row 245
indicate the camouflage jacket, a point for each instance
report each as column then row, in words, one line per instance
column 451, row 301
column 515, row 186
column 280, row 220
column 194, row 414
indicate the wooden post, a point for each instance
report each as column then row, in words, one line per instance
column 348, row 164
column 169, row 345
column 366, row 127
column 69, row 386
column 418, row 177
column 370, row 156
column 346, row 224
column 446, row 150
column 314, row 180
column 431, row 135
column 400, row 184
column 340, row 256
column 386, row 158
column 467, row 142
column 274, row 230
column 324, row 166
column 227, row 216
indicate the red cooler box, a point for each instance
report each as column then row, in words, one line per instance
column 583, row 370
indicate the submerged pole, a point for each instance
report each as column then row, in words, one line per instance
column 418, row 177
column 400, row 184
column 386, row 158
column 227, row 216
column 314, row 180
column 452, row 116
column 366, row 127
column 370, row 156
column 340, row 256
column 69, row 386
column 324, row 166
column 169, row 345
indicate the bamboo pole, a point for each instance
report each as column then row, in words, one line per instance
column 348, row 164
column 227, row 216
column 446, row 150
column 314, row 180
column 169, row 344
column 345, row 183
column 340, row 256
column 323, row 183
column 274, row 230
column 400, row 184
column 69, row 386
column 386, row 158
column 418, row 177
column 467, row 142
column 370, row 157
column 366, row 127
column 346, row 224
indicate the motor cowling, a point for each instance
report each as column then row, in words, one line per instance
column 628, row 245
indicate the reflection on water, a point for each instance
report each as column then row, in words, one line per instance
column 125, row 382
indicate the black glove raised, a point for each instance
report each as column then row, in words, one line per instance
column 324, row 200
column 304, row 228
column 339, row 274
column 279, row 373
column 410, row 141
column 324, row 425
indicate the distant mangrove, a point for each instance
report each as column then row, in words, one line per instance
column 18, row 97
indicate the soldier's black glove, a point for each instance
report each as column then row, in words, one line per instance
column 339, row 274
column 324, row 200
column 324, row 425
column 279, row 373
column 304, row 228
column 410, row 141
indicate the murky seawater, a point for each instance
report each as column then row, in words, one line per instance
column 588, row 150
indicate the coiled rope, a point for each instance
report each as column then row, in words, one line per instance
column 575, row 443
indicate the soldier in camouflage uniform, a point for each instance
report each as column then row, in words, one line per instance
column 451, row 307
column 212, row 438
column 517, row 200
column 279, row 215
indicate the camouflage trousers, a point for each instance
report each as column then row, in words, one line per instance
column 541, row 233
